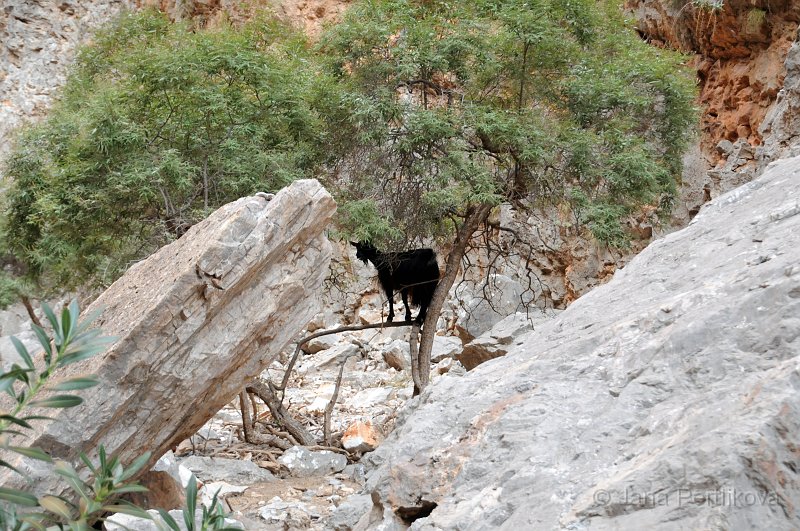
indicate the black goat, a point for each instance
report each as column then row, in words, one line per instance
column 414, row 272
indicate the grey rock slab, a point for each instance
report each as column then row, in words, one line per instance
column 780, row 128
column 397, row 354
column 369, row 397
column 484, row 306
column 194, row 322
column 302, row 462
column 9, row 354
column 349, row 512
column 664, row 399
column 236, row 471
column 334, row 356
column 445, row 347
column 499, row 339
column 320, row 343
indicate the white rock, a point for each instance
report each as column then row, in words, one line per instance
column 301, row 462
column 370, row 397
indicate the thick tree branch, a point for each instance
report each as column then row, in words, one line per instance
column 280, row 414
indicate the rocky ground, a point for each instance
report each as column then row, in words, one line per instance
column 266, row 487
column 666, row 399
column 318, row 489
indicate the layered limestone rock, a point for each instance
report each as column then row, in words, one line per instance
column 194, row 323
column 37, row 44
column 665, row 399
column 781, row 126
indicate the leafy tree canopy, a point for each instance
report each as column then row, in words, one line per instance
column 534, row 101
column 417, row 111
column 157, row 125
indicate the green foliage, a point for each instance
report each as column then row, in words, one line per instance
column 158, row 125
column 526, row 101
column 754, row 20
column 709, row 5
column 417, row 110
column 211, row 517
column 72, row 341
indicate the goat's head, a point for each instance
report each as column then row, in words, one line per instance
column 365, row 251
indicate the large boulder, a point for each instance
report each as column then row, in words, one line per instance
column 193, row 324
column 665, row 399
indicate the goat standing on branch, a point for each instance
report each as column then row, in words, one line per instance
column 414, row 273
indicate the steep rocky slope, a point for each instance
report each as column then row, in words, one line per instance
column 665, row 399
column 37, row 43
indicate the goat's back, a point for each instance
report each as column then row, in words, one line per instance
column 417, row 270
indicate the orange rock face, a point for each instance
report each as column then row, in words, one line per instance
column 740, row 49
column 360, row 437
column 307, row 15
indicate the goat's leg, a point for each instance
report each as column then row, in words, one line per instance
column 404, row 294
column 390, row 296
column 423, row 311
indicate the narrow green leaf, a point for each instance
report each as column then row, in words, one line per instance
column 56, row 506
column 17, row 497
column 36, row 417
column 80, row 354
column 74, row 312
column 8, row 465
column 34, row 521
column 129, row 488
column 101, row 452
column 64, row 469
column 32, row 452
column 191, row 503
column 79, row 525
column 88, row 463
column 127, row 508
column 6, row 384
column 137, row 465
column 169, row 520
column 58, row 401
column 116, row 471
column 48, row 312
column 44, row 341
column 66, row 325
column 12, row 432
column 15, row 420
column 22, row 351
column 88, row 319
column 15, row 373
column 74, row 384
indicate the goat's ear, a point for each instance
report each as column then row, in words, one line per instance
column 354, row 244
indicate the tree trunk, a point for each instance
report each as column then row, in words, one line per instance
column 415, row 365
column 476, row 215
column 26, row 302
